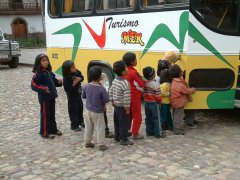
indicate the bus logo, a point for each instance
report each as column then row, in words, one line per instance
column 132, row 37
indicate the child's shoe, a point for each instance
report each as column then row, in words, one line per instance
column 109, row 135
column 137, row 137
column 160, row 136
column 89, row 145
column 125, row 143
column 82, row 125
column 58, row 133
column 48, row 136
column 103, row 148
column 192, row 126
column 129, row 134
column 76, row 129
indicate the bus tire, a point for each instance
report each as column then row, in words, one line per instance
column 14, row 63
column 109, row 77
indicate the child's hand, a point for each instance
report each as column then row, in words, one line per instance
column 47, row 91
column 60, row 82
column 190, row 98
column 193, row 89
column 127, row 109
column 112, row 103
column 76, row 80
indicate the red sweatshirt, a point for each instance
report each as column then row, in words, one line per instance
column 180, row 93
column 134, row 77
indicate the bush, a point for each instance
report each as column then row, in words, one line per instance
column 32, row 43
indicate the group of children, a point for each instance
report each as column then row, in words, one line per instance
column 160, row 93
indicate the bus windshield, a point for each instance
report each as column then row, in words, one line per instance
column 219, row 14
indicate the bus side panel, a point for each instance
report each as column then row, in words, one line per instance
column 208, row 53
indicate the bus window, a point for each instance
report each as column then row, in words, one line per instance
column 211, row 79
column 77, row 5
column 219, row 14
column 162, row 2
column 55, row 7
column 114, row 4
column 153, row 2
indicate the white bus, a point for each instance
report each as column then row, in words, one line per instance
column 206, row 33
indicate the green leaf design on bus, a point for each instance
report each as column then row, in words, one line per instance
column 163, row 31
column 221, row 99
column 75, row 30
column 198, row 36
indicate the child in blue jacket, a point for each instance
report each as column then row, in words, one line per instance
column 72, row 79
column 44, row 83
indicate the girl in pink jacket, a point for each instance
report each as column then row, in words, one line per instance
column 180, row 96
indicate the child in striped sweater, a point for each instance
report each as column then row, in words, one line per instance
column 119, row 95
column 152, row 98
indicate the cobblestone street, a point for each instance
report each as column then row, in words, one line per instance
column 211, row 151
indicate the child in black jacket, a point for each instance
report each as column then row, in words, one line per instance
column 44, row 83
column 72, row 79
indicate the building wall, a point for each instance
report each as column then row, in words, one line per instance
column 34, row 23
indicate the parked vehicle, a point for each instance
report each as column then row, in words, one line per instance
column 9, row 51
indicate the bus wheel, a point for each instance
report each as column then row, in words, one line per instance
column 14, row 63
column 108, row 77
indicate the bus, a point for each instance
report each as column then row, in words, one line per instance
column 205, row 34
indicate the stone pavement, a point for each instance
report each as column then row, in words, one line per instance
column 208, row 152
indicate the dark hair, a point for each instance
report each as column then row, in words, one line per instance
column 164, row 76
column 37, row 64
column 119, row 67
column 148, row 72
column 94, row 73
column 175, row 71
column 162, row 64
column 129, row 58
column 66, row 66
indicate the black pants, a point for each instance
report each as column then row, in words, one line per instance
column 121, row 123
column 75, row 110
column 48, row 124
column 106, row 122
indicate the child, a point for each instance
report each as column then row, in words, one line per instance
column 162, row 64
column 96, row 99
column 72, row 79
column 165, row 84
column 172, row 57
column 180, row 96
column 108, row 133
column 152, row 97
column 44, row 83
column 120, row 97
column 135, row 82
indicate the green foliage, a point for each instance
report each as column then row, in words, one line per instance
column 32, row 43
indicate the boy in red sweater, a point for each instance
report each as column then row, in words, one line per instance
column 180, row 96
column 136, row 85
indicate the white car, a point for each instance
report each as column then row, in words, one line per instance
column 9, row 51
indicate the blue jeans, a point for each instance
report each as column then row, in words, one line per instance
column 153, row 125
